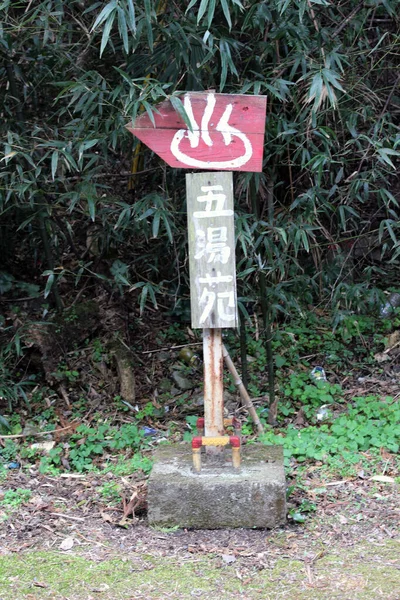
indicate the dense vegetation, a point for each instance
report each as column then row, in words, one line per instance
column 93, row 225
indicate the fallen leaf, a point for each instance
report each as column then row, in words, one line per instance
column 125, row 523
column 39, row 584
column 382, row 478
column 106, row 517
column 299, row 419
column 392, row 341
column 381, row 357
column 67, row 543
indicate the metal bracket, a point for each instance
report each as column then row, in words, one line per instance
column 223, row 440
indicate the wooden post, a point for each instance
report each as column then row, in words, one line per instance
column 213, row 387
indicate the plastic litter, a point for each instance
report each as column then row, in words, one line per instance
column 387, row 309
column 14, row 465
column 323, row 413
column 148, row 431
column 318, row 374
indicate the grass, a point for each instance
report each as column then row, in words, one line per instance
column 365, row 572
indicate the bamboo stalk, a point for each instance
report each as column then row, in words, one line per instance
column 243, row 351
column 246, row 400
column 49, row 259
column 266, row 313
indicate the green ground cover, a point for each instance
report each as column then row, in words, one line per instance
column 364, row 572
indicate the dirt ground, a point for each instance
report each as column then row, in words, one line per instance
column 348, row 548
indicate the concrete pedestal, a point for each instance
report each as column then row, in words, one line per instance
column 218, row 497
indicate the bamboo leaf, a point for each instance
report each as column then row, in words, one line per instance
column 180, row 109
column 226, row 12
column 54, row 163
column 92, row 208
column 123, row 29
column 147, row 10
column 211, row 11
column 156, row 223
column 152, row 296
column 132, row 17
column 49, row 285
column 191, row 4
column 143, row 298
column 149, row 111
column 202, row 10
column 384, row 154
column 167, row 227
column 104, row 14
column 4, row 423
column 106, row 32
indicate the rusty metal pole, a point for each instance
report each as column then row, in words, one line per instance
column 213, row 387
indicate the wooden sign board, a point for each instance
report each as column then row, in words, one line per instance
column 227, row 132
column 211, row 250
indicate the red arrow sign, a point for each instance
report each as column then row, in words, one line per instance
column 227, row 132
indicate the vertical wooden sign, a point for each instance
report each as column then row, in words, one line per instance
column 211, row 250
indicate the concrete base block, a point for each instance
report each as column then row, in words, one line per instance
column 218, row 497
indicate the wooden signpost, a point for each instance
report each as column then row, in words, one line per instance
column 226, row 134
column 211, row 250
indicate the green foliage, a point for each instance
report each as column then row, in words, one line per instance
column 322, row 227
column 110, row 492
column 98, row 350
column 309, row 395
column 326, row 201
column 124, row 466
column 13, row 383
column 8, row 451
column 368, row 423
column 8, row 283
column 4, row 425
column 91, row 443
column 13, row 499
column 299, row 514
column 63, row 373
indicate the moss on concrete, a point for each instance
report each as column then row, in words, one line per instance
column 365, row 572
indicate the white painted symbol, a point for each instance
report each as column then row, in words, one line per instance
column 223, row 127
column 209, row 199
column 209, row 298
column 218, row 278
column 213, row 245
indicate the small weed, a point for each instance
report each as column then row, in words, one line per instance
column 13, row 499
column 97, row 350
column 110, row 492
column 64, row 373
column 128, row 466
column 8, row 452
column 299, row 514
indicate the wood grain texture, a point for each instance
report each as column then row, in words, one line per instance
column 228, row 132
column 211, row 250
column 213, row 386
